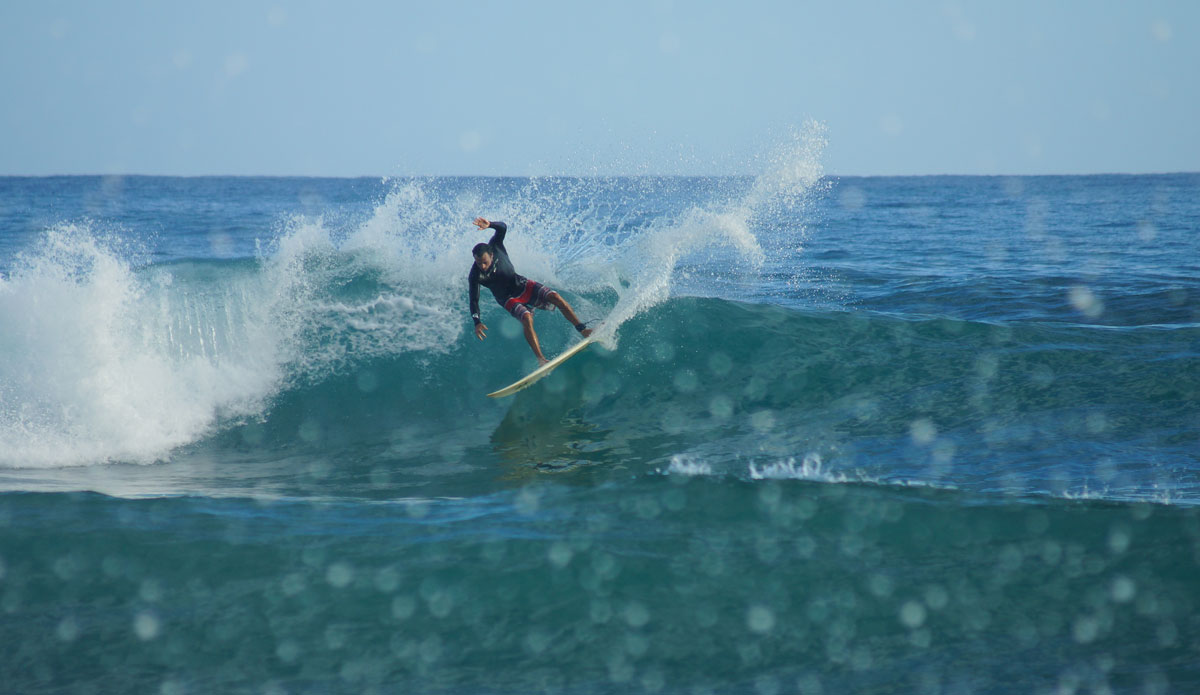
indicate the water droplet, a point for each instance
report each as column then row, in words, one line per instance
column 635, row 614
column 912, row 614
column 923, row 431
column 760, row 619
column 720, row 407
column 403, row 607
column 367, row 381
column 1123, row 589
column 560, row 554
column 1085, row 301
column 339, row 575
column 146, row 625
column 67, row 630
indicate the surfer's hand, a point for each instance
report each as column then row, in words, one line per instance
column 480, row 331
column 481, row 223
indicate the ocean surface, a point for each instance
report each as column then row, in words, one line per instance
column 840, row 435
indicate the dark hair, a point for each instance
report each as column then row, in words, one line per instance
column 480, row 249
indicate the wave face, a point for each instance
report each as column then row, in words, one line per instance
column 344, row 336
column 114, row 360
column 855, row 435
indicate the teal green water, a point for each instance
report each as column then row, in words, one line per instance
column 932, row 435
column 778, row 586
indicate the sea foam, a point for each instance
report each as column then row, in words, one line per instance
column 102, row 363
column 109, row 360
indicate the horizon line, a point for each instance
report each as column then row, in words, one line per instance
column 579, row 176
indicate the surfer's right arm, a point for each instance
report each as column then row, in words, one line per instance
column 473, row 283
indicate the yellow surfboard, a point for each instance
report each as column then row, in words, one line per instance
column 541, row 371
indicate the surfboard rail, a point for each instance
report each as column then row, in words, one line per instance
column 542, row 371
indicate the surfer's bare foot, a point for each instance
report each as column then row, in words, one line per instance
column 585, row 332
column 542, row 361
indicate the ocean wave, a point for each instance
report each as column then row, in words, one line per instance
column 108, row 360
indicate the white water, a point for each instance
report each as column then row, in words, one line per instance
column 102, row 364
column 104, row 361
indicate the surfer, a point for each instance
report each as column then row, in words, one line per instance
column 515, row 293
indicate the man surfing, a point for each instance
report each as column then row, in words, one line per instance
column 517, row 294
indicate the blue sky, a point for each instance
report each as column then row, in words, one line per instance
column 527, row 88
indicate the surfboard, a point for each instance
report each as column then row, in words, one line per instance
column 541, row 371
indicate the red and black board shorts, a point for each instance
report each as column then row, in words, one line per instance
column 534, row 295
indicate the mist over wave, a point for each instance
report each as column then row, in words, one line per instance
column 110, row 360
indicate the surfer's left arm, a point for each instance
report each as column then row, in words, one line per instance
column 500, row 227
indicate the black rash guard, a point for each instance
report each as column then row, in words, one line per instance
column 501, row 278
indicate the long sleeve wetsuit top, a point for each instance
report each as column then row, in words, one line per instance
column 500, row 277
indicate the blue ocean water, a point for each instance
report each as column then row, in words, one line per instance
column 932, row 435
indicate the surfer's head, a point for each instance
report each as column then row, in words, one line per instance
column 483, row 256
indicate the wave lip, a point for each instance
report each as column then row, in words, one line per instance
column 105, row 363
column 108, row 361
